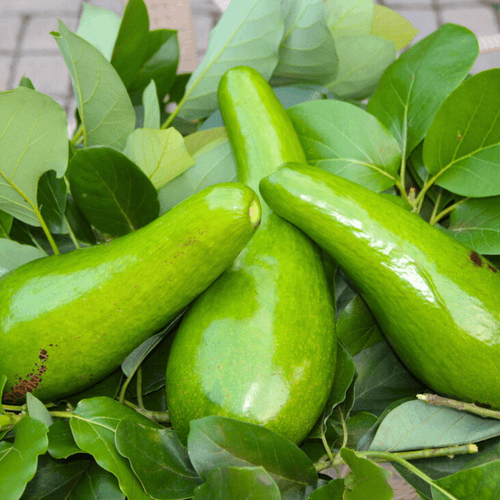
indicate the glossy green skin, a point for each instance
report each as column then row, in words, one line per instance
column 436, row 300
column 69, row 320
column 258, row 345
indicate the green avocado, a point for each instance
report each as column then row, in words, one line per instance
column 259, row 345
column 436, row 301
column 67, row 321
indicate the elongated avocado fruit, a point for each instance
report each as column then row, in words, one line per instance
column 67, row 321
column 258, row 345
column 437, row 301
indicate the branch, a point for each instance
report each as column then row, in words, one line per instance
column 433, row 399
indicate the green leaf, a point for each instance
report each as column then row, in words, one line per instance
column 390, row 25
column 347, row 141
column 345, row 17
column 307, row 50
column 248, row 34
column 334, row 490
column 26, row 82
column 94, row 425
column 415, row 425
column 52, row 201
column 113, row 193
column 104, row 106
column 18, row 462
column 33, row 140
column 344, row 292
column 78, row 223
column 5, row 224
column 131, row 45
column 214, row 163
column 61, row 441
column 3, row 381
column 250, row 483
column 197, row 141
column 160, row 64
column 158, row 459
column 382, row 379
column 414, row 87
column 362, row 61
column 13, row 254
column 55, row 479
column 96, row 484
column 476, row 223
column 481, row 483
column 151, row 107
column 37, row 410
column 462, row 146
column 99, row 26
column 356, row 326
column 160, row 154
column 366, row 479
column 215, row 442
column 357, row 426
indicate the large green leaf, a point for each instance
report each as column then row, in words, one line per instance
column 476, row 223
column 36, row 409
column 248, row 34
column 215, row 442
column 481, row 483
column 250, row 483
column 99, row 26
column 348, row 17
column 414, row 87
column 151, row 107
column 160, row 154
column 362, row 61
column 462, row 146
column 52, row 201
column 214, row 163
column 61, row 441
column 104, row 106
column 33, row 140
column 382, row 379
column 307, row 51
column 96, row 484
column 131, row 45
column 366, row 479
column 5, row 224
column 55, row 479
column 13, row 254
column 334, row 490
column 18, row 462
column 94, row 424
column 158, row 459
column 113, row 193
column 416, row 424
column 347, row 141
column 356, row 326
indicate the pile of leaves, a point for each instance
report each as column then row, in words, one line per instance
column 417, row 127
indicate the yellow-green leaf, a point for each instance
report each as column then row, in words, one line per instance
column 392, row 26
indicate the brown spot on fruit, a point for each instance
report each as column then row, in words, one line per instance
column 43, row 354
column 474, row 256
column 29, row 384
column 491, row 268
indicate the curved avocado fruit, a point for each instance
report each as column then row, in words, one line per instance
column 259, row 345
column 67, row 321
column 436, row 301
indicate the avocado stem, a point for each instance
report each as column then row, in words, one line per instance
column 157, row 416
column 433, row 399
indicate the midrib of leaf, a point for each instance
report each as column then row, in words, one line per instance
column 357, row 162
column 391, row 376
column 289, row 32
column 129, row 222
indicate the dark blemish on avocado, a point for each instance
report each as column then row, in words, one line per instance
column 491, row 268
column 24, row 386
column 43, row 354
column 459, row 136
column 474, row 256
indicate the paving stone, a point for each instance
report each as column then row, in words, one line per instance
column 38, row 30
column 49, row 74
column 9, row 29
column 115, row 6
column 486, row 61
column 425, row 21
column 31, row 6
column 5, row 62
column 202, row 27
column 480, row 20
column 407, row 4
